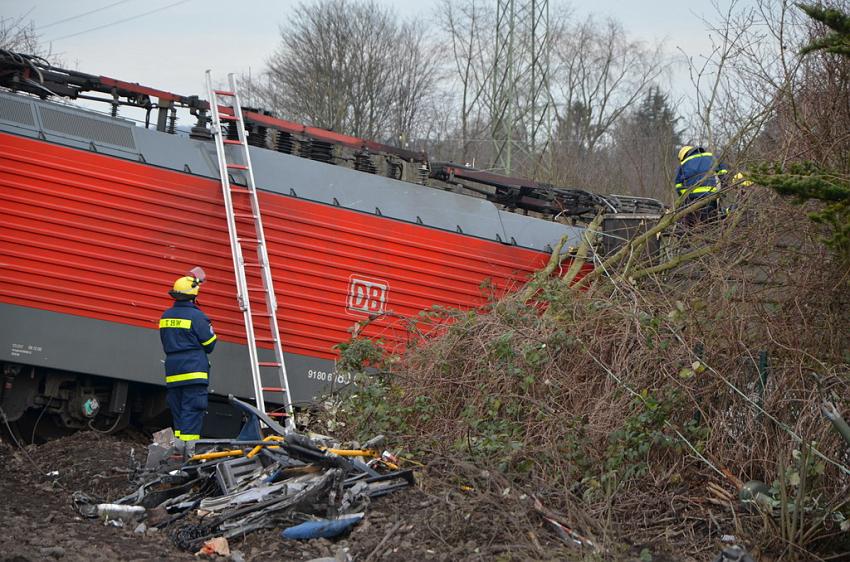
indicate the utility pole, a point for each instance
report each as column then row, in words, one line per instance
column 521, row 100
column 503, row 96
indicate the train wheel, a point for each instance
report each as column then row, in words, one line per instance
column 36, row 428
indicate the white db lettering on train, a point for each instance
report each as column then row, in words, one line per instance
column 367, row 295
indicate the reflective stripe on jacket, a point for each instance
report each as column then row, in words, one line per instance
column 698, row 173
column 187, row 337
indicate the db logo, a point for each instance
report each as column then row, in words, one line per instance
column 367, row 295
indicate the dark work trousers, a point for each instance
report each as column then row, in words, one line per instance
column 188, row 405
column 707, row 213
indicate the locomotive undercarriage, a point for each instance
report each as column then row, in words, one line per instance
column 37, row 404
column 41, row 403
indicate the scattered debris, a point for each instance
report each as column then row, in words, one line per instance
column 164, row 450
column 831, row 413
column 122, row 512
column 733, row 554
column 215, row 547
column 84, row 504
column 309, row 485
column 756, row 493
column 566, row 534
column 322, row 528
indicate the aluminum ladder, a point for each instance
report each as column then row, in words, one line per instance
column 232, row 113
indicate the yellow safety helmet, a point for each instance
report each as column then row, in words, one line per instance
column 186, row 287
column 684, row 151
column 741, row 179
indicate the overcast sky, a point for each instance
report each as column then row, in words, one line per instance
column 168, row 44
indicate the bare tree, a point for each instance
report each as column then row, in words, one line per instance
column 520, row 100
column 755, row 95
column 642, row 158
column 256, row 90
column 812, row 110
column 604, row 74
column 735, row 85
column 469, row 27
column 600, row 78
column 351, row 67
column 18, row 34
column 413, row 83
column 500, row 66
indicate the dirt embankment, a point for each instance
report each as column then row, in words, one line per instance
column 437, row 520
column 37, row 519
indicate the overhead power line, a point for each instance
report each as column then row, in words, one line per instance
column 84, row 14
column 124, row 20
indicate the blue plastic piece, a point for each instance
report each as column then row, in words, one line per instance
column 271, row 478
column 322, row 528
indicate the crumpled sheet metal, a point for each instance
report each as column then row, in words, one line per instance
column 313, row 499
column 229, row 497
column 256, row 494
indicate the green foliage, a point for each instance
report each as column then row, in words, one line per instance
column 808, row 181
column 804, row 180
column 497, row 433
column 378, row 405
column 794, row 475
column 494, row 428
column 580, row 450
column 360, row 354
column 371, row 410
column 837, row 41
column 375, row 407
column 648, row 430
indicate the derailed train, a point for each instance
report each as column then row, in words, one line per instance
column 99, row 214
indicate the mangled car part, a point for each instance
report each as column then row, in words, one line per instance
column 231, row 487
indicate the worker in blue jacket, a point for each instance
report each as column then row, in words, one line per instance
column 187, row 337
column 699, row 175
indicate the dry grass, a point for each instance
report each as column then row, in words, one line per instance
column 599, row 406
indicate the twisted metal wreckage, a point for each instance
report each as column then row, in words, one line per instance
column 232, row 487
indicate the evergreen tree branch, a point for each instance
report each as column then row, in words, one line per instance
column 815, row 186
column 834, row 19
column 838, row 40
